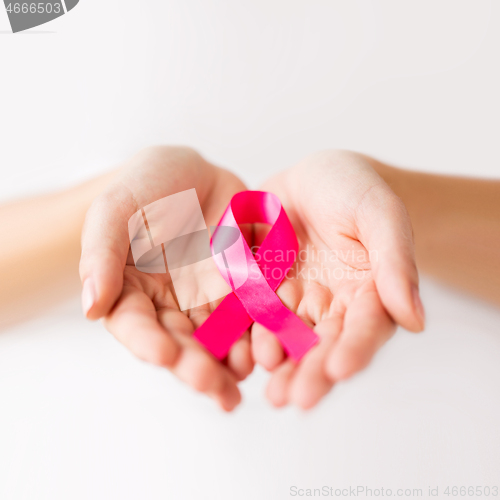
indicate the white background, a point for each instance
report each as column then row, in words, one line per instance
column 254, row 86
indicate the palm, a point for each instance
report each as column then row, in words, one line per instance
column 331, row 285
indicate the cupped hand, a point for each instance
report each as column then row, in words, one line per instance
column 355, row 277
column 140, row 309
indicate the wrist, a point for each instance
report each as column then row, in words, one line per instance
column 402, row 182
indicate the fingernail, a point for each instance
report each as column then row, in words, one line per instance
column 417, row 302
column 88, row 295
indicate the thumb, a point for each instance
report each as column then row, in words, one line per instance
column 386, row 232
column 105, row 246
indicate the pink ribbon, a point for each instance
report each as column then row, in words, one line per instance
column 253, row 296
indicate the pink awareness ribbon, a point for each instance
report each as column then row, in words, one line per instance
column 253, row 296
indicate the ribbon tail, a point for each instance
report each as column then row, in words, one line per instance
column 295, row 337
column 224, row 327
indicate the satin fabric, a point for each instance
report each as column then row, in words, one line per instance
column 253, row 297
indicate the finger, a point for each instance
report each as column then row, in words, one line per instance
column 105, row 245
column 367, row 326
column 239, row 359
column 266, row 348
column 134, row 323
column 385, row 230
column 199, row 369
column 195, row 365
column 310, row 381
column 279, row 384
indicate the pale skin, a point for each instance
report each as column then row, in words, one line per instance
column 140, row 309
column 362, row 283
column 41, row 248
column 336, row 201
column 456, row 221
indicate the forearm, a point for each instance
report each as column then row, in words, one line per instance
column 41, row 248
column 456, row 223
